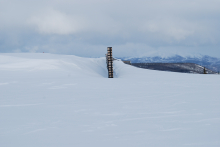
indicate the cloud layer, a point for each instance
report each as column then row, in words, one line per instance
column 132, row 28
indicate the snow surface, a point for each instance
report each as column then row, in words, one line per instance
column 51, row 100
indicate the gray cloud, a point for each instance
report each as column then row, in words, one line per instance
column 133, row 28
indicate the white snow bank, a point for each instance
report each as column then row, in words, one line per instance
column 66, row 101
column 39, row 62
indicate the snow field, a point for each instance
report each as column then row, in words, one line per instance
column 51, row 100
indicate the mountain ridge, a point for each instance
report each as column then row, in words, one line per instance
column 213, row 63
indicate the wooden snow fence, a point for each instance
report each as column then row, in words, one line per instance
column 109, row 62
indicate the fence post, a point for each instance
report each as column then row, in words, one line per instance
column 204, row 71
column 109, row 61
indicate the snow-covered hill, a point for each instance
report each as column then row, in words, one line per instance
column 51, row 100
column 175, row 67
column 209, row 62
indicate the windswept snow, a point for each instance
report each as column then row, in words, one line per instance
column 51, row 100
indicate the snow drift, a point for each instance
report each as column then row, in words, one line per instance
column 51, row 100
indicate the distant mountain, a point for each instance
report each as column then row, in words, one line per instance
column 175, row 67
column 209, row 62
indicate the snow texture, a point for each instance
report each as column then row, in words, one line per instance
column 51, row 100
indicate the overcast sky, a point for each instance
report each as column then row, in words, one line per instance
column 131, row 27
